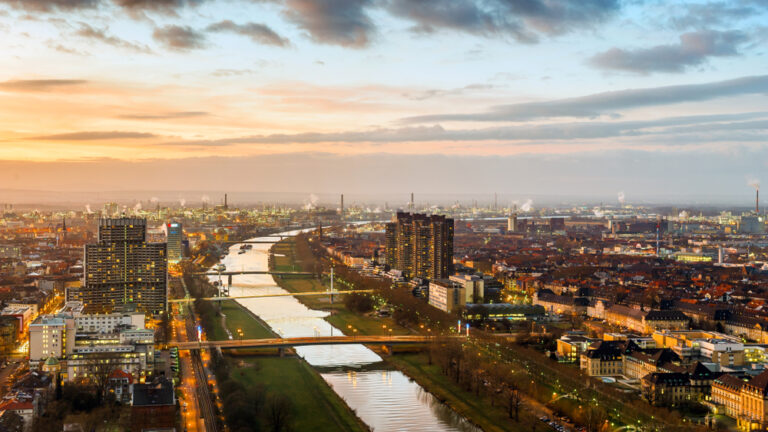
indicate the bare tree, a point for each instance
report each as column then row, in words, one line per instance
column 278, row 413
column 99, row 368
column 514, row 401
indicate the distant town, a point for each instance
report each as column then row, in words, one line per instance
column 580, row 318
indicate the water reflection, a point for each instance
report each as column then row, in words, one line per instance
column 386, row 400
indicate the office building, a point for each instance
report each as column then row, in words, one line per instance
column 174, row 237
column 80, row 342
column 420, row 245
column 123, row 269
column 474, row 286
column 447, row 295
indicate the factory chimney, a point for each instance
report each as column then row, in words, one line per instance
column 225, row 202
column 412, row 203
column 342, row 207
column 757, row 200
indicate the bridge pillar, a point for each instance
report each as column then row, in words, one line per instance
column 281, row 352
column 229, row 280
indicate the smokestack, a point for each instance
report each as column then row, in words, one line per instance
column 757, row 200
column 412, row 203
column 342, row 207
column 225, row 202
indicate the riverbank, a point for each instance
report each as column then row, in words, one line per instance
column 313, row 405
column 480, row 411
column 284, row 259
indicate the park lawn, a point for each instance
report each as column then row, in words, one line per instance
column 475, row 408
column 365, row 325
column 315, row 406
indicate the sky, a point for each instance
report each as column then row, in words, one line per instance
column 656, row 99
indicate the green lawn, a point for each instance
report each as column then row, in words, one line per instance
column 239, row 318
column 315, row 406
column 342, row 318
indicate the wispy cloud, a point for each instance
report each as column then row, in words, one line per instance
column 38, row 85
column 525, row 21
column 51, row 5
column 179, row 38
column 546, row 133
column 164, row 116
column 259, row 33
column 608, row 103
column 93, row 136
column 101, row 35
column 169, row 7
column 694, row 49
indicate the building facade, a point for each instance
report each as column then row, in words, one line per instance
column 446, row 295
column 175, row 236
column 420, row 245
column 122, row 268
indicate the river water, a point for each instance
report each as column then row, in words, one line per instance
column 385, row 399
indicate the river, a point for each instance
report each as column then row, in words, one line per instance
column 385, row 399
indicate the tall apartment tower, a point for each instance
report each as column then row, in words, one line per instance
column 420, row 245
column 123, row 269
column 174, row 237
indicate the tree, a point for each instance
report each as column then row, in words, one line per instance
column 99, row 368
column 278, row 413
column 514, row 401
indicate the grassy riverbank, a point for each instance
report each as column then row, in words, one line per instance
column 478, row 410
column 313, row 404
column 284, row 259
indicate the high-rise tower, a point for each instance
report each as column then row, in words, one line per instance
column 420, row 245
column 123, row 269
column 174, row 236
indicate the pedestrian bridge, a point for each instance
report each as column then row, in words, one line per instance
column 282, row 294
column 303, row 341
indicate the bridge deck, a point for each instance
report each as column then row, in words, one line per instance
column 304, row 341
column 285, row 294
column 252, row 272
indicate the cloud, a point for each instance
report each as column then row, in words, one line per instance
column 710, row 124
column 51, row 5
column 693, row 49
column 93, row 135
column 101, row 35
column 164, row 116
column 523, row 20
column 179, row 38
column 168, row 7
column 436, row 93
column 38, row 85
column 609, row 103
column 258, row 33
column 707, row 15
column 333, row 22
column 67, row 50
column 232, row 72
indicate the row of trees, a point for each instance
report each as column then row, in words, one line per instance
column 547, row 377
column 250, row 409
column 408, row 310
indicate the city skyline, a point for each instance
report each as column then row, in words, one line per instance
column 648, row 98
